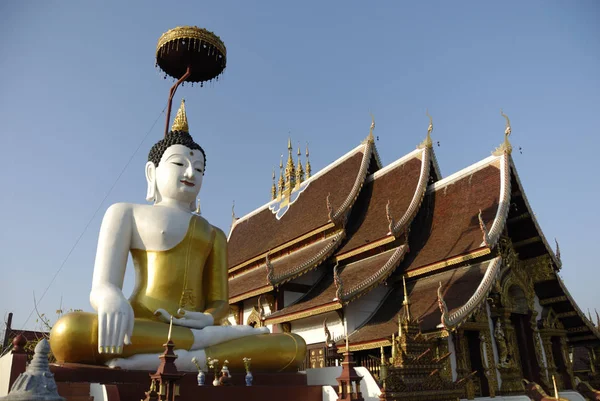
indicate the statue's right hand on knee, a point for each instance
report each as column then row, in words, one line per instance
column 115, row 318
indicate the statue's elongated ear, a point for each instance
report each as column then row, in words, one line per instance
column 151, row 180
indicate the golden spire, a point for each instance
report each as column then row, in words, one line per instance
column 181, row 123
column 406, row 302
column 427, row 143
column 505, row 147
column 299, row 170
column 308, row 169
column 281, row 181
column 290, row 171
column 273, row 187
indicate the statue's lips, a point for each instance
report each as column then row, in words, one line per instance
column 187, row 183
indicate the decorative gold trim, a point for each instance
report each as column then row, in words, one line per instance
column 368, row 247
column 566, row 314
column 283, row 246
column 554, row 300
column 579, row 329
column 366, row 346
column 251, row 294
column 302, row 314
column 449, row 262
column 191, row 33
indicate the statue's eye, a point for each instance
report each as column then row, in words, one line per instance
column 178, row 164
column 199, row 170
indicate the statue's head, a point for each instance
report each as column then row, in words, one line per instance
column 175, row 166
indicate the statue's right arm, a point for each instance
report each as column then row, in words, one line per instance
column 115, row 315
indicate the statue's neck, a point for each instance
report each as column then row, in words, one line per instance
column 175, row 204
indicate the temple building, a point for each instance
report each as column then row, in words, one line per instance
column 401, row 258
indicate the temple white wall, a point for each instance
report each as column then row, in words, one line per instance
column 326, row 377
column 357, row 312
column 311, row 328
column 5, row 368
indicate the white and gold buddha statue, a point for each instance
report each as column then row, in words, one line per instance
column 181, row 274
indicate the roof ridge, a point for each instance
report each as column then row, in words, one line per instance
column 461, row 173
column 321, row 172
column 417, row 198
column 550, row 251
column 374, row 279
column 451, row 321
column 341, row 212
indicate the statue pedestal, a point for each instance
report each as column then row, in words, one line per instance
column 122, row 385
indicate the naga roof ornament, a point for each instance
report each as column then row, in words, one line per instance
column 505, row 147
column 427, row 142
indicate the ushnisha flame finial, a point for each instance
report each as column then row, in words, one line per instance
column 427, row 142
column 181, row 123
column 505, row 147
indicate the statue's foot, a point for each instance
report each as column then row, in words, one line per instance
column 150, row 361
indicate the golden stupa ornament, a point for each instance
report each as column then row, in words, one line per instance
column 181, row 123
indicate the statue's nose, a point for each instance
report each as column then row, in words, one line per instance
column 189, row 172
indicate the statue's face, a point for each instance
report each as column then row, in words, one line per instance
column 179, row 174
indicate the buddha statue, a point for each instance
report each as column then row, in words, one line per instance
column 181, row 274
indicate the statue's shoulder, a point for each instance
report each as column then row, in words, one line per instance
column 119, row 211
column 219, row 234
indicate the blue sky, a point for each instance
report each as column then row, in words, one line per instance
column 79, row 92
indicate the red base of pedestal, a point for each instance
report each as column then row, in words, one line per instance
column 121, row 385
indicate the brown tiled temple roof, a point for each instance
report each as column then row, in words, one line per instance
column 285, row 267
column 403, row 185
column 447, row 226
column 260, row 231
column 357, row 278
column 459, row 285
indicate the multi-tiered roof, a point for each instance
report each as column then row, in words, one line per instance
column 369, row 226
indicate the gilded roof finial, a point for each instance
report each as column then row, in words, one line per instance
column 281, row 179
column 427, row 143
column 308, row 168
column 290, row 170
column 371, row 138
column 506, row 147
column 233, row 218
column 181, row 123
column 273, row 187
column 406, row 302
column 299, row 169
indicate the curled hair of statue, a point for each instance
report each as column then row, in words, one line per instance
column 173, row 138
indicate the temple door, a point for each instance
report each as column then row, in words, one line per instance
column 524, row 337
